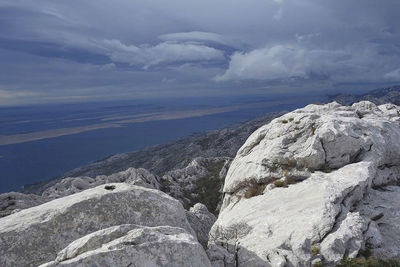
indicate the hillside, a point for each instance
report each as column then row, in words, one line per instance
column 318, row 186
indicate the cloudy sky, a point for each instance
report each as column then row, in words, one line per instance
column 54, row 51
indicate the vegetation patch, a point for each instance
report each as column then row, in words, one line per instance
column 369, row 262
column 279, row 183
column 208, row 188
column 284, row 183
column 313, row 128
column 251, row 188
column 315, row 250
column 255, row 190
column 326, row 169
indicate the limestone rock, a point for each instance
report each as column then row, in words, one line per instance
column 133, row 245
column 201, row 221
column 324, row 162
column 34, row 236
column 346, row 240
column 72, row 185
column 13, row 202
column 381, row 206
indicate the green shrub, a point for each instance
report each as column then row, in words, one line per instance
column 255, row 190
column 279, row 183
column 284, row 121
column 314, row 249
column 318, row 264
column 326, row 169
column 313, row 128
column 284, row 183
column 208, row 187
column 289, row 181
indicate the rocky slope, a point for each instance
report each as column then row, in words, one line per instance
column 377, row 96
column 110, row 225
column 313, row 186
column 163, row 158
column 219, row 143
column 201, row 181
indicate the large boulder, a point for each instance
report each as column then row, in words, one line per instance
column 294, row 192
column 133, row 245
column 13, row 202
column 34, row 236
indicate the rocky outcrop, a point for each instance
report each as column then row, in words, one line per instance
column 301, row 189
column 381, row 206
column 133, row 245
column 35, row 235
column 201, row 181
column 72, row 185
column 13, row 202
column 201, row 221
column 377, row 96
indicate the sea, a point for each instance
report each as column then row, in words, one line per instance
column 41, row 142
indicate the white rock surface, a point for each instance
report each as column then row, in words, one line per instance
column 35, row 235
column 347, row 240
column 72, row 185
column 328, row 159
column 133, row 245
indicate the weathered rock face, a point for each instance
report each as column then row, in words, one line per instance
column 13, row 202
column 34, row 236
column 133, row 245
column 201, row 181
column 382, row 206
column 201, row 221
column 302, row 188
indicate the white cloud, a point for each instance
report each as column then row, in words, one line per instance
column 393, row 75
column 7, row 94
column 306, row 37
column 280, row 62
column 166, row 52
column 276, row 62
column 107, row 67
column 193, row 36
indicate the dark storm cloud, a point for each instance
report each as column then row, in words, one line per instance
column 68, row 50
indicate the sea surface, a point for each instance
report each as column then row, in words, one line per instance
column 42, row 142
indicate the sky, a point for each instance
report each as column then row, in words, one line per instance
column 93, row 50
